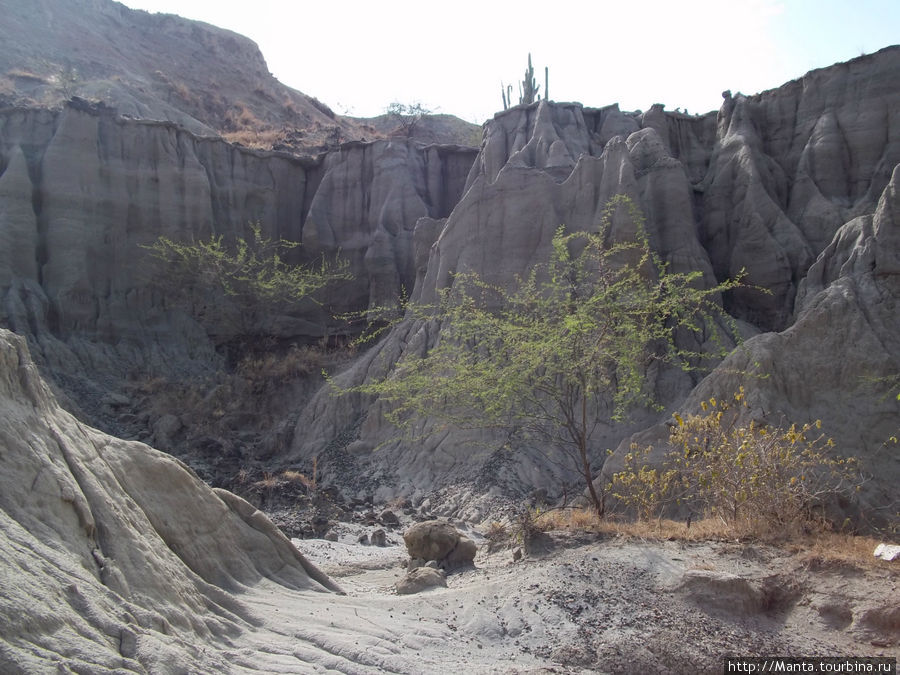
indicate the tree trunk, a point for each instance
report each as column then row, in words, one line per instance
column 599, row 506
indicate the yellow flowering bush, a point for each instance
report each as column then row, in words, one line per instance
column 759, row 477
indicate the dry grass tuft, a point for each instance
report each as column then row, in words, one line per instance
column 242, row 126
column 269, row 481
column 819, row 549
column 23, row 74
column 496, row 532
column 840, row 550
column 308, row 482
column 586, row 520
column 706, row 529
column 256, row 139
column 296, row 362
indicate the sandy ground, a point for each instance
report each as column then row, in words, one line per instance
column 577, row 605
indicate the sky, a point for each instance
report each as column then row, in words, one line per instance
column 451, row 57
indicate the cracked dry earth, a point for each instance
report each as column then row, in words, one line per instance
column 584, row 605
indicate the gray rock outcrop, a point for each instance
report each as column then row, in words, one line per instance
column 117, row 555
column 420, row 579
column 439, row 541
column 83, row 189
column 153, row 66
column 789, row 168
column 771, row 184
column 764, row 186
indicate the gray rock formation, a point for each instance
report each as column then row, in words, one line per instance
column 792, row 165
column 763, row 187
column 837, row 362
column 163, row 67
column 501, row 228
column 149, row 66
column 420, row 579
column 114, row 554
column 366, row 206
column 83, row 189
column 439, row 541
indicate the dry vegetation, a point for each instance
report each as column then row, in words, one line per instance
column 815, row 549
column 758, row 480
column 23, row 74
column 258, row 376
column 723, row 482
column 261, row 368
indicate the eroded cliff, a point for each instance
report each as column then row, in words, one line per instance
column 764, row 186
column 770, row 184
column 115, row 555
column 83, row 189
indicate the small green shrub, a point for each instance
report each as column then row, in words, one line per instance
column 254, row 273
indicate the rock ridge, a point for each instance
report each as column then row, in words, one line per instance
column 120, row 555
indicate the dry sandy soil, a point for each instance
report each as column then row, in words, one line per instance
column 576, row 604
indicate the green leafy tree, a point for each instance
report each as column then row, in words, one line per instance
column 563, row 351
column 253, row 273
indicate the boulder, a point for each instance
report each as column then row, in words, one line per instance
column 420, row 579
column 438, row 540
column 463, row 554
column 388, row 518
column 378, row 538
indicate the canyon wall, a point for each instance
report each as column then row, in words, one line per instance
column 83, row 189
column 792, row 185
column 787, row 185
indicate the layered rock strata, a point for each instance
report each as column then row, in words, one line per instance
column 764, row 185
column 83, row 189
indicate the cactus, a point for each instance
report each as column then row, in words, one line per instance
column 529, row 90
column 506, row 93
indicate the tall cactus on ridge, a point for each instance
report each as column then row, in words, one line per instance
column 528, row 88
column 506, row 93
column 529, row 85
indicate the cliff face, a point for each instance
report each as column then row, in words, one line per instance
column 150, row 66
column 368, row 202
column 784, row 184
column 765, row 186
column 83, row 189
column 791, row 166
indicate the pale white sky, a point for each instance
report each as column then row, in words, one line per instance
column 358, row 56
